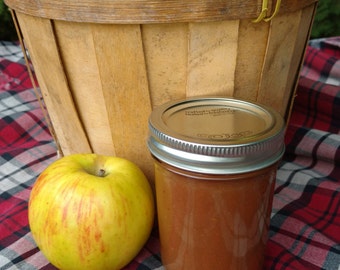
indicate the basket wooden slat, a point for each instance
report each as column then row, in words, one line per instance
column 169, row 43
column 304, row 18
column 53, row 82
column 279, row 52
column 212, row 58
column 125, row 88
column 251, row 54
column 78, row 53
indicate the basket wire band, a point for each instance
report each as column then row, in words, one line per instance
column 263, row 14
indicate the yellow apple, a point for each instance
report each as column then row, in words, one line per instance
column 88, row 211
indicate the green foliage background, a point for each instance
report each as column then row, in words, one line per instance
column 327, row 19
column 326, row 23
column 7, row 29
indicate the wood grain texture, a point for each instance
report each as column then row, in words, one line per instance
column 251, row 53
column 149, row 11
column 212, row 58
column 122, row 70
column 280, row 49
column 77, row 47
column 166, row 54
column 53, row 83
column 304, row 17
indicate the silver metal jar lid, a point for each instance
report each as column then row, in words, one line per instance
column 216, row 135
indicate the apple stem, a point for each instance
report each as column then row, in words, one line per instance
column 101, row 173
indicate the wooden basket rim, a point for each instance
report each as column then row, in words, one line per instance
column 150, row 11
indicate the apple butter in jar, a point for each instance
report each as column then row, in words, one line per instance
column 215, row 168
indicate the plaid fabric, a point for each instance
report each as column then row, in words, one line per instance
column 305, row 221
column 26, row 149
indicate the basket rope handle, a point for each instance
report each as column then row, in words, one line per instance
column 263, row 14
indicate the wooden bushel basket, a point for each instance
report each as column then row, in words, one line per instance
column 103, row 65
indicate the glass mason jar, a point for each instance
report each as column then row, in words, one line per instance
column 215, row 169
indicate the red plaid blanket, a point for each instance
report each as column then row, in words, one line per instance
column 305, row 221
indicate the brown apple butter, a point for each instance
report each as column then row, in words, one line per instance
column 215, row 168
